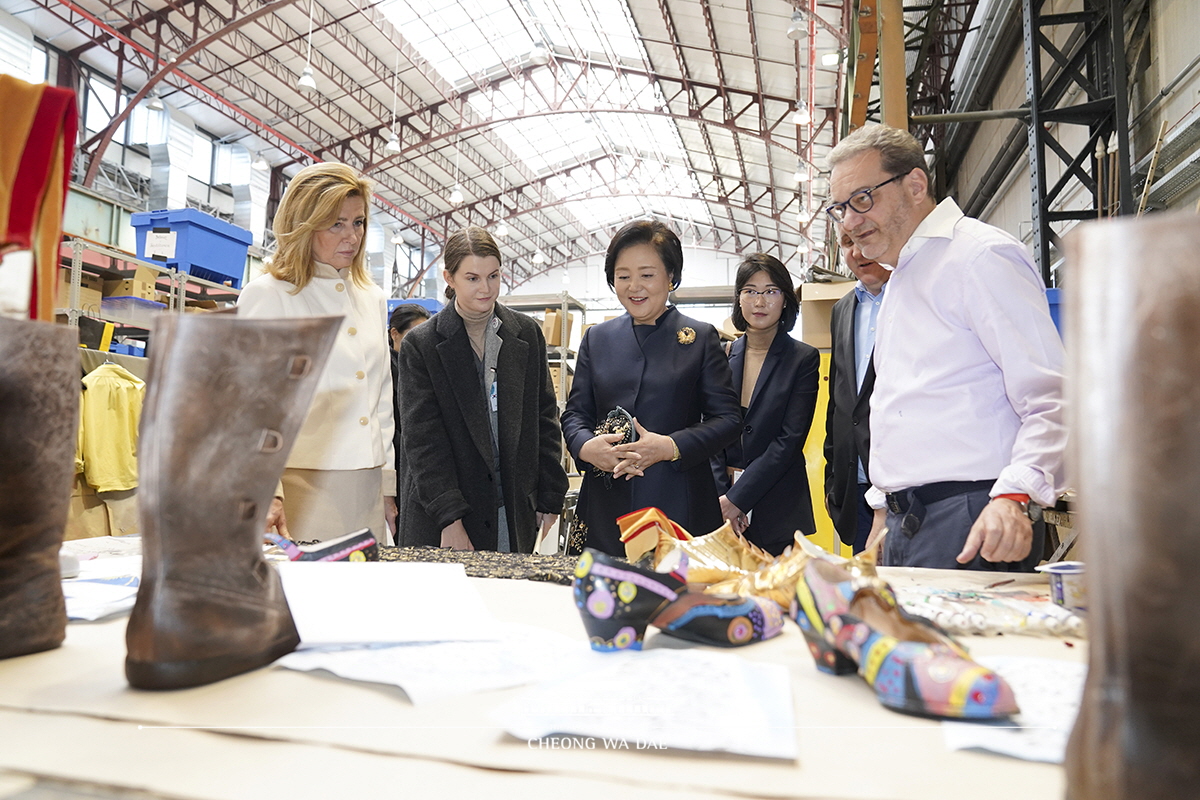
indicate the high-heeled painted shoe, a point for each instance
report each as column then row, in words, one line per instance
column 617, row 601
column 852, row 622
column 357, row 546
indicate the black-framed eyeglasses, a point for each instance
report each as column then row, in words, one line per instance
column 861, row 201
column 770, row 293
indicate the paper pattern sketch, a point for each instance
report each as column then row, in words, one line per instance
column 1048, row 692
column 434, row 671
column 637, row 700
column 96, row 599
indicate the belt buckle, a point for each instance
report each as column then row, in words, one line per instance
column 893, row 503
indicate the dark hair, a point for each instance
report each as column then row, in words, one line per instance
column 470, row 241
column 407, row 314
column 761, row 262
column 657, row 235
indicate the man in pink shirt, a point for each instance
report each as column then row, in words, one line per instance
column 967, row 413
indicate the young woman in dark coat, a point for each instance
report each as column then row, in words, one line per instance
column 669, row 372
column 776, row 378
column 479, row 420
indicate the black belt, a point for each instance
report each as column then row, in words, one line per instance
column 912, row 502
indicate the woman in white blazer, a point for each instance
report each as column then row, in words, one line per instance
column 340, row 475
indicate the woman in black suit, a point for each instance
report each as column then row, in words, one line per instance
column 763, row 477
column 668, row 371
column 479, row 420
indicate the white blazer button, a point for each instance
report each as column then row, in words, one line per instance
column 360, row 374
column 363, row 420
column 341, row 287
column 352, row 331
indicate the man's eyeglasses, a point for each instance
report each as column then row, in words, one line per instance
column 861, row 201
column 770, row 294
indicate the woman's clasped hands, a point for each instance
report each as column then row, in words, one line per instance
column 629, row 460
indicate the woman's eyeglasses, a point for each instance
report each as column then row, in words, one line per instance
column 861, row 201
column 770, row 294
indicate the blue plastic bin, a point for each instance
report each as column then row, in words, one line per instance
column 428, row 303
column 1053, row 297
column 205, row 246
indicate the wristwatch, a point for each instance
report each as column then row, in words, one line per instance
column 1031, row 509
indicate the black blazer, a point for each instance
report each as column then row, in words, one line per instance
column 395, row 361
column 774, row 484
column 847, row 422
column 676, row 383
column 447, row 439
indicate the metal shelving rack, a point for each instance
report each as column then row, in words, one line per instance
column 567, row 303
column 179, row 289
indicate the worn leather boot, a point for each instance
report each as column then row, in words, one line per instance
column 1134, row 346
column 225, row 398
column 39, row 415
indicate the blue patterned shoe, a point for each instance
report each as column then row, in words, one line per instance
column 617, row 600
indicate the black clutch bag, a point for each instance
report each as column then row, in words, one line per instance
column 618, row 421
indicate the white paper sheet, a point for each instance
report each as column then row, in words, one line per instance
column 1048, row 692
column 93, row 600
column 104, row 546
column 686, row 699
column 384, row 603
column 433, row 671
column 110, row 567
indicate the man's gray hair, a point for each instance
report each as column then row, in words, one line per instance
column 899, row 152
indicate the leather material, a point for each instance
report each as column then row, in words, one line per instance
column 39, row 415
column 225, row 399
column 1132, row 290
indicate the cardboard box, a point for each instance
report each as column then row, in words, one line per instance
column 825, row 291
column 552, row 327
column 555, row 373
column 131, row 288
column 816, row 311
column 90, row 288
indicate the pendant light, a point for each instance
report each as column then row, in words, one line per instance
column 797, row 30
column 802, row 115
column 307, row 82
column 456, row 196
column 393, row 145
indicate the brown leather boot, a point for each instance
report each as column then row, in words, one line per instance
column 39, row 415
column 1134, row 347
column 225, row 398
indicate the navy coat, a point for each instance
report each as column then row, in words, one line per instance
column 683, row 390
column 847, row 422
column 774, row 484
column 447, row 437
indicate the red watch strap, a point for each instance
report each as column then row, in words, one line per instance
column 1023, row 499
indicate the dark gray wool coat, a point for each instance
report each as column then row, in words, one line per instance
column 447, row 460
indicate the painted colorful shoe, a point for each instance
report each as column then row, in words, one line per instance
column 827, row 589
column 852, row 622
column 617, row 601
column 357, row 546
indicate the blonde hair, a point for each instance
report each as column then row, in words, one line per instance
column 470, row 241
column 311, row 203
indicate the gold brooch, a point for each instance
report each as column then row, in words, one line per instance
column 686, row 336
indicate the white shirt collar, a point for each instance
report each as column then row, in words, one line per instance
column 938, row 224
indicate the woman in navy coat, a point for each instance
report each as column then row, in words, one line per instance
column 668, row 371
column 776, row 378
